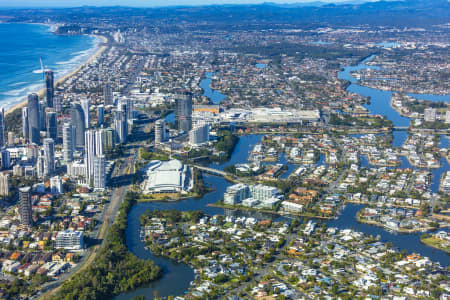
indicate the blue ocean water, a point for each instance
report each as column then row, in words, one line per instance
column 21, row 46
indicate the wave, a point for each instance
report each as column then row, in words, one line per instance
column 84, row 52
column 22, row 91
column 18, row 83
column 14, row 96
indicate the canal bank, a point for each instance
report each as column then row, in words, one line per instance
column 177, row 277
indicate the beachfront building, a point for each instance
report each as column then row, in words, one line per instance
column 33, row 119
column 2, row 128
column 168, row 177
column 49, row 88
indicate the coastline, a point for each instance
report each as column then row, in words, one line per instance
column 40, row 92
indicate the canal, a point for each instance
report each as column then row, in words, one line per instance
column 177, row 277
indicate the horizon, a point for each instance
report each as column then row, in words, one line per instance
column 46, row 4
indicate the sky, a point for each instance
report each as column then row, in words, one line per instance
column 140, row 3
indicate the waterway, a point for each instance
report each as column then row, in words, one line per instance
column 214, row 95
column 177, row 277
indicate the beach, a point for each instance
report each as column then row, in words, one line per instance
column 41, row 92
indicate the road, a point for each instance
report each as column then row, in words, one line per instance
column 267, row 268
column 108, row 218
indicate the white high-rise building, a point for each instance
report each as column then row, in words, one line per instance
column 199, row 134
column 25, row 130
column 68, row 142
column 49, row 157
column 99, row 172
column 99, row 142
column 93, row 148
column 447, row 117
column 430, row 114
column 56, row 186
column 85, row 106
column 160, row 131
column 4, row 184
column 2, row 128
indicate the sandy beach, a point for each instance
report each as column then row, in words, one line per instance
column 65, row 77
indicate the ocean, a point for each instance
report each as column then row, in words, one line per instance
column 21, row 47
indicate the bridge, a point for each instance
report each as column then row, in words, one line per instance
column 212, row 171
column 400, row 128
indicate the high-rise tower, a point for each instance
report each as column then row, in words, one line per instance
column 107, row 94
column 2, row 128
column 78, row 124
column 51, row 124
column 49, row 88
column 183, row 113
column 25, row 130
column 26, row 217
column 68, row 142
column 85, row 106
column 49, row 157
column 33, row 118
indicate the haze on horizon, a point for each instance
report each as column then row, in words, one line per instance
column 147, row 3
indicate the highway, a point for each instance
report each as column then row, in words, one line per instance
column 107, row 219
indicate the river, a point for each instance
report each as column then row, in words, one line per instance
column 177, row 277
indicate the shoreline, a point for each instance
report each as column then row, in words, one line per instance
column 41, row 92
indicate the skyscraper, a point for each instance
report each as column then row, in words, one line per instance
column 99, row 172
column 160, row 131
column 49, row 88
column 51, row 124
column 68, row 142
column 5, row 158
column 25, row 130
column 120, row 126
column 108, row 95
column 2, row 128
column 49, row 157
column 4, row 184
column 124, row 106
column 78, row 124
column 101, row 114
column 93, row 148
column 99, row 142
column 33, row 118
column 183, row 113
column 26, row 217
column 85, row 106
